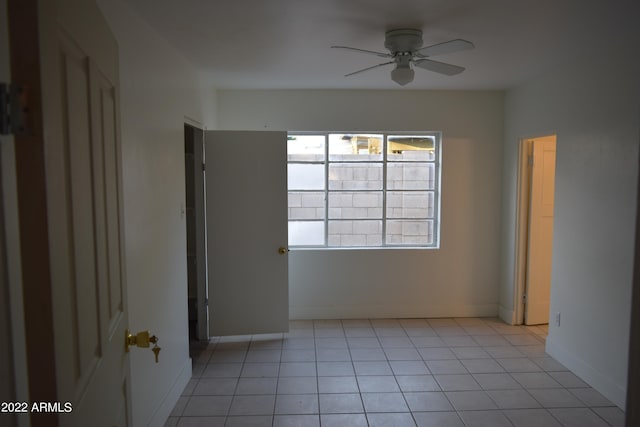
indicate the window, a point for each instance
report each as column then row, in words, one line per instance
column 363, row 190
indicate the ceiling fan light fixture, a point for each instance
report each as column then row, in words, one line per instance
column 402, row 75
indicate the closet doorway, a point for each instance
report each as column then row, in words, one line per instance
column 537, row 164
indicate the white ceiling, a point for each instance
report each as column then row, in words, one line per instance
column 277, row 44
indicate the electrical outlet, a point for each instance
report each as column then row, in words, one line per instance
column 557, row 318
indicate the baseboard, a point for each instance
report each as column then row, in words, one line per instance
column 599, row 381
column 508, row 316
column 386, row 311
column 166, row 406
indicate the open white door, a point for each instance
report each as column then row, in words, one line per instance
column 246, row 180
column 538, row 283
column 69, row 193
column 80, row 62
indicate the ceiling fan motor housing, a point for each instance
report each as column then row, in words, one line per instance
column 403, row 40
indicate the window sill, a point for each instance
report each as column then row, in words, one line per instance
column 362, row 248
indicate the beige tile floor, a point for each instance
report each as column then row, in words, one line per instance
column 473, row 372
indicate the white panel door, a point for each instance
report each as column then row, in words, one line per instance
column 538, row 289
column 79, row 68
column 246, row 180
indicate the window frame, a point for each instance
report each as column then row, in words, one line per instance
column 326, row 162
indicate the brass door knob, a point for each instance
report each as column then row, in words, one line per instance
column 282, row 250
column 142, row 339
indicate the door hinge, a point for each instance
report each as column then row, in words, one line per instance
column 530, row 158
column 524, row 298
column 204, row 167
column 13, row 109
column 206, row 302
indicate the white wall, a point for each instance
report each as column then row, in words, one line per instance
column 159, row 88
column 593, row 106
column 459, row 279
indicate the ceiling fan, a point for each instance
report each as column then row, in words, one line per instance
column 405, row 51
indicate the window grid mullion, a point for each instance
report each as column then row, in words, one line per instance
column 384, row 190
column 326, row 190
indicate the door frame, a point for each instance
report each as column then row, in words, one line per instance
column 15, row 347
column 522, row 226
column 32, row 207
column 202, row 310
column 632, row 411
column 521, row 247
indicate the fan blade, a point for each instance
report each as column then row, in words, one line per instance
column 438, row 67
column 380, row 54
column 451, row 46
column 369, row 68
